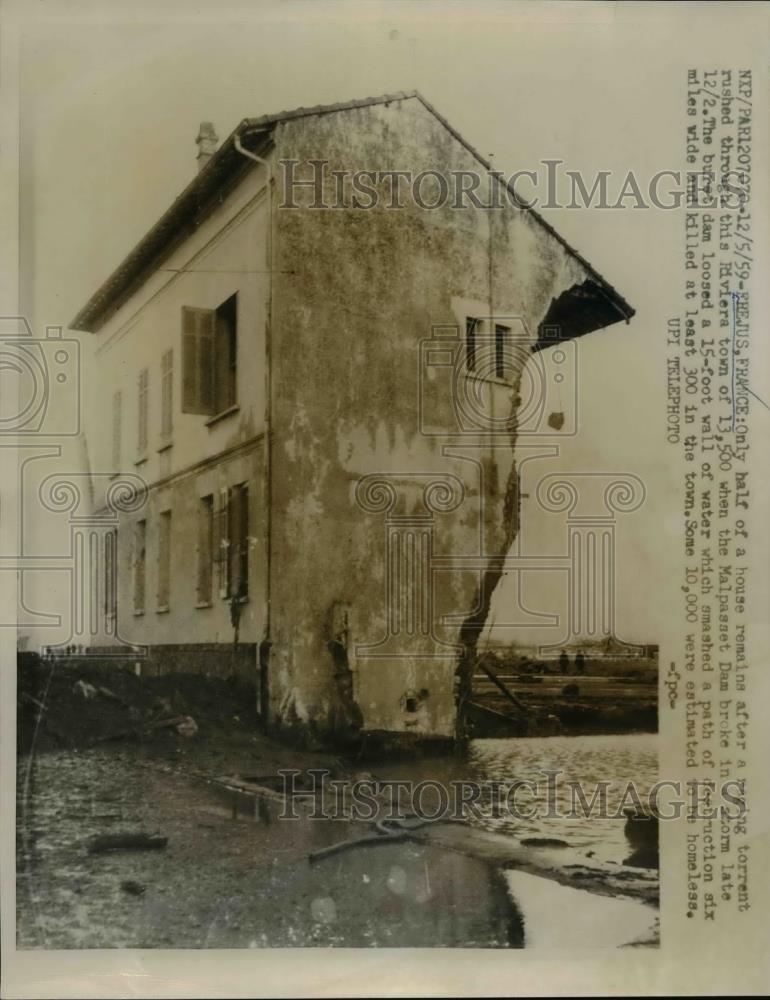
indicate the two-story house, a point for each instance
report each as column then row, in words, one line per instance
column 319, row 387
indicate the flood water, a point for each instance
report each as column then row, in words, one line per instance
column 221, row 883
column 617, row 759
column 585, row 759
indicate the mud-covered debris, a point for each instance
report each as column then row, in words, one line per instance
column 126, row 842
column 84, row 689
column 543, row 842
column 187, row 726
column 133, row 888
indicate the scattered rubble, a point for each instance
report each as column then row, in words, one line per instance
column 68, row 706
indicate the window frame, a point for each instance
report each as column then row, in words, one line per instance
column 140, row 566
column 163, row 590
column 210, row 359
column 206, row 562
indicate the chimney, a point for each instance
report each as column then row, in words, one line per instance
column 207, row 143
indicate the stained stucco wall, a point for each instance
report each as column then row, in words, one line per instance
column 357, row 293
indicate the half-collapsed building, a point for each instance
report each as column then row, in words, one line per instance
column 318, row 383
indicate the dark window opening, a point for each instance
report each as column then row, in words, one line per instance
column 111, row 578
column 225, row 355
column 501, row 336
column 205, row 549
column 164, row 560
column 471, row 325
column 140, row 564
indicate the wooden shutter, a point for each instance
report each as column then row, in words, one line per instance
column 243, row 541
column 116, row 429
column 198, row 328
column 143, row 409
column 223, row 543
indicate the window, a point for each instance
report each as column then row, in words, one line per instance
column 142, row 410
column 501, row 338
column 233, row 554
column 471, row 327
column 166, row 393
column 209, row 358
column 238, row 549
column 116, row 419
column 225, row 355
column 164, row 560
column 205, row 549
column 140, row 565
column 111, row 579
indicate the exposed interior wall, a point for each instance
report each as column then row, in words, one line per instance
column 357, row 295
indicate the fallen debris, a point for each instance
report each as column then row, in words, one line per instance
column 543, row 842
column 388, row 831
column 83, row 688
column 126, row 842
column 133, row 888
column 187, row 726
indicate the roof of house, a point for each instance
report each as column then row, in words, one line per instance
column 223, row 171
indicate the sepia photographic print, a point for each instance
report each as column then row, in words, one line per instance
column 384, row 395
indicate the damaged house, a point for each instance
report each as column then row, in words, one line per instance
column 322, row 404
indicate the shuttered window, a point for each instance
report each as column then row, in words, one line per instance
column 232, row 549
column 164, row 560
column 111, row 579
column 140, row 564
column 238, row 549
column 142, row 411
column 502, row 335
column 166, row 393
column 205, row 549
column 117, row 405
column 198, row 332
column 471, row 325
column 209, row 358
column 223, row 543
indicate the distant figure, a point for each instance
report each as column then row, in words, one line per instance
column 580, row 663
column 563, row 661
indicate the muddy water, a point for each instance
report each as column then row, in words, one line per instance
column 585, row 759
column 234, row 875
column 230, row 877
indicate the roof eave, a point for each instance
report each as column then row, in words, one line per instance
column 226, row 166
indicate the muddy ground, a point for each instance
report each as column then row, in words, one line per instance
column 96, row 762
column 102, row 751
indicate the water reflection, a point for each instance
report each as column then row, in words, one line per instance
column 586, row 759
